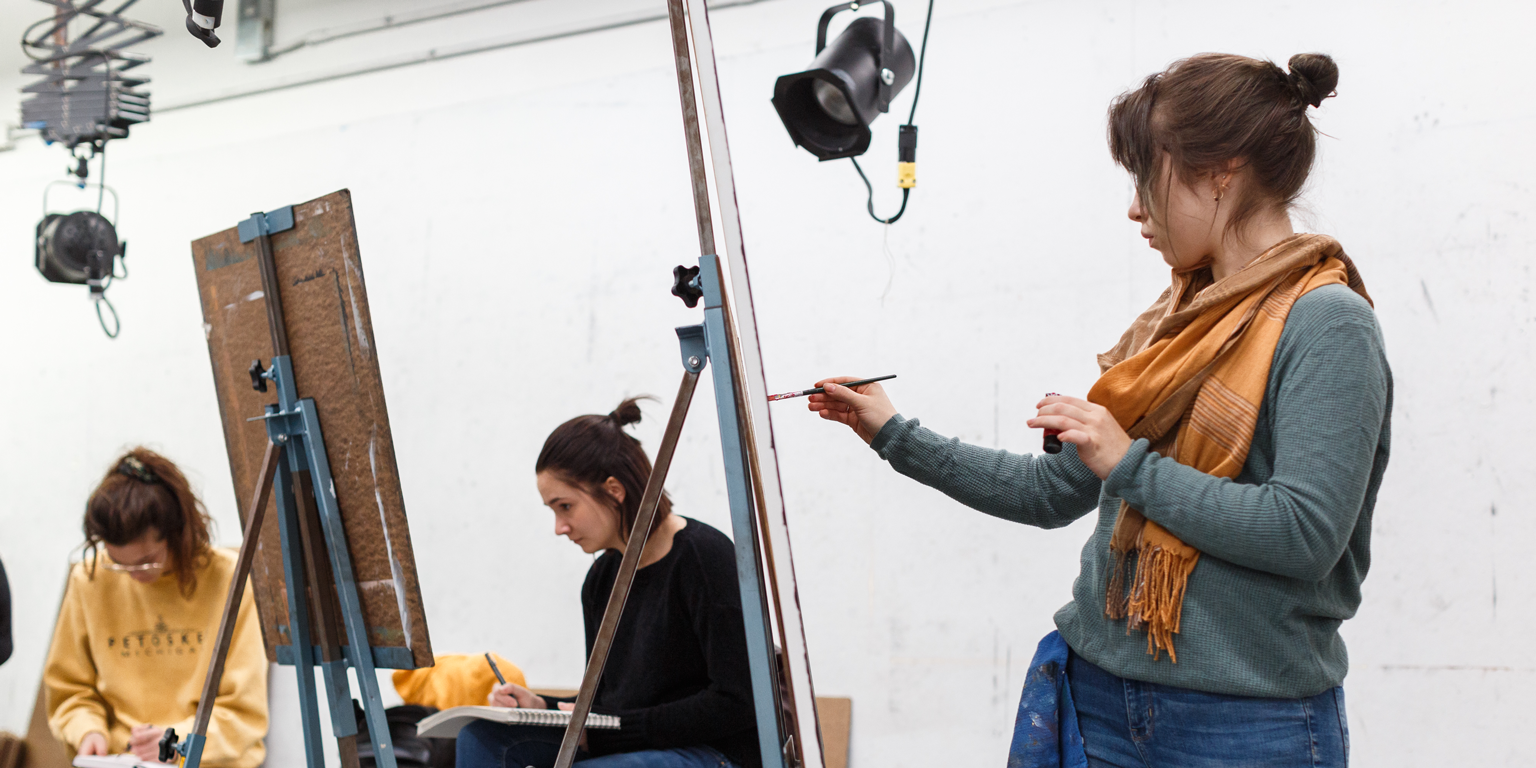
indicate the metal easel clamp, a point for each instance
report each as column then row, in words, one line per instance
column 695, row 347
column 281, row 375
column 269, row 223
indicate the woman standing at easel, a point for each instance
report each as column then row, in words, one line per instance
column 1233, row 446
column 139, row 618
column 677, row 673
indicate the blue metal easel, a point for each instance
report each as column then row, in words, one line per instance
column 310, row 525
column 700, row 345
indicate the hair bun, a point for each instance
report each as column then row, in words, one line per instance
column 1314, row 76
column 627, row 413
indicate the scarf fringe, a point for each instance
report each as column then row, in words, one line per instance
column 1157, row 595
column 1114, row 595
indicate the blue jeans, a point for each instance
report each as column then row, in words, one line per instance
column 483, row 744
column 1131, row 724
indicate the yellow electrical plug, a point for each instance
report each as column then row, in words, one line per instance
column 906, row 157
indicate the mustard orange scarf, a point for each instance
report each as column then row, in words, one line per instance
column 1189, row 376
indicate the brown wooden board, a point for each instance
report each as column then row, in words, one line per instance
column 330, row 338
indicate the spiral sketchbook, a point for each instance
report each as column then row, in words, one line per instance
column 125, row 760
column 447, row 723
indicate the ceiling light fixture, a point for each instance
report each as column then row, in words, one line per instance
column 829, row 107
column 83, row 99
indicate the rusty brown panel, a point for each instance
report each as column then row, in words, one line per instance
column 330, row 337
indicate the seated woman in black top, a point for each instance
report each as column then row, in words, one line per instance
column 677, row 674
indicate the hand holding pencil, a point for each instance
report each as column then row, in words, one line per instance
column 862, row 406
column 511, row 694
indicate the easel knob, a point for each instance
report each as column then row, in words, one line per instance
column 685, row 285
column 258, row 376
column 168, row 752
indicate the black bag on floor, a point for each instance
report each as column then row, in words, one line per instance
column 411, row 751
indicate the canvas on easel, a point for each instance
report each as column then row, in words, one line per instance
column 325, row 308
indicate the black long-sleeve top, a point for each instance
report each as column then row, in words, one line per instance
column 677, row 673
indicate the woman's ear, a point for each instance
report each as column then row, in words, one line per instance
column 614, row 489
column 1229, row 175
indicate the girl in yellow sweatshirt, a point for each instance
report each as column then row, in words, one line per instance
column 131, row 648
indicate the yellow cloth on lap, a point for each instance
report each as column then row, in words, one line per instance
column 455, row 680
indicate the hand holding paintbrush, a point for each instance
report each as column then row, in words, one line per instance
column 819, row 390
column 859, row 403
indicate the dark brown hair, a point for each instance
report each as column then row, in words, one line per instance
column 1210, row 109
column 587, row 450
column 145, row 491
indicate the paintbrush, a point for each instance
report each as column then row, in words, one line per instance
column 820, row 391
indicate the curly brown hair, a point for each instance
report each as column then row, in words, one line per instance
column 145, row 491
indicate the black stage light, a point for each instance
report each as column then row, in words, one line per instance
column 76, row 247
column 827, row 108
column 81, row 248
column 203, row 17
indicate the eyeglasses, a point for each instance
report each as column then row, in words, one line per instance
column 119, row 567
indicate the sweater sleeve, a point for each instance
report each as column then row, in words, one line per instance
column 75, row 708
column 1328, row 412
column 1047, row 491
column 239, row 720
column 722, row 709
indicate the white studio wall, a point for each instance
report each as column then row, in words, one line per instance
column 519, row 213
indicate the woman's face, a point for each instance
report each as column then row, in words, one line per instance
column 1185, row 230
column 144, row 559
column 588, row 522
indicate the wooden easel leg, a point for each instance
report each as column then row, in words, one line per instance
column 253, row 520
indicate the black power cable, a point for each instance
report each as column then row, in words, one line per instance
column 922, row 54
column 917, row 90
column 101, row 182
column 117, row 324
column 870, row 204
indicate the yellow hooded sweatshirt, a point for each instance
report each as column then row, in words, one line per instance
column 126, row 653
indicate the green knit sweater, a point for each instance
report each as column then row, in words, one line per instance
column 1284, row 546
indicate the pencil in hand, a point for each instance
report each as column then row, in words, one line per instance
column 495, row 669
